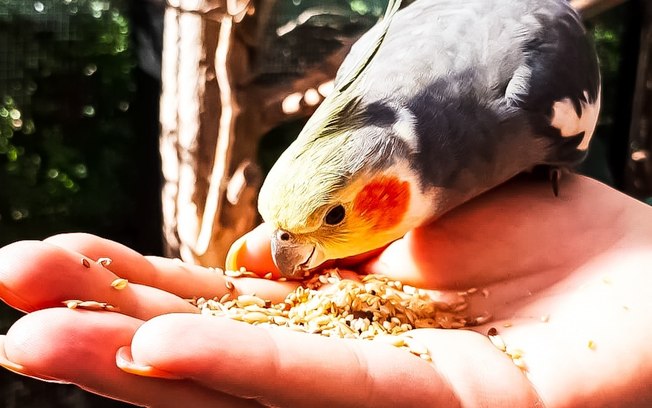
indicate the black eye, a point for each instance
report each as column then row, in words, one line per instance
column 335, row 215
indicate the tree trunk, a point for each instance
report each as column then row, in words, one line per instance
column 213, row 115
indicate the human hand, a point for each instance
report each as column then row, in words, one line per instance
column 578, row 261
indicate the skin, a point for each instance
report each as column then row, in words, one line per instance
column 559, row 273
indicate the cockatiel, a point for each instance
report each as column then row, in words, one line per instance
column 436, row 104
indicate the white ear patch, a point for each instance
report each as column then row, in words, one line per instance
column 570, row 124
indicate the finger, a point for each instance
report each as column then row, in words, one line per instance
column 273, row 364
column 169, row 269
column 253, row 251
column 171, row 275
column 36, row 275
column 477, row 371
column 79, row 347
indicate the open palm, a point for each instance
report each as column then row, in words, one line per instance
column 566, row 281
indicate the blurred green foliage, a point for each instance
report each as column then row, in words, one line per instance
column 66, row 134
column 66, row 140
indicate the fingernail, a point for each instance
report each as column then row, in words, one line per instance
column 13, row 300
column 19, row 368
column 126, row 363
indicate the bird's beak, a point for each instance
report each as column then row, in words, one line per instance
column 294, row 259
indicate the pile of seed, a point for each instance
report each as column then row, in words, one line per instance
column 375, row 308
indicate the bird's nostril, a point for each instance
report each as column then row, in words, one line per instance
column 284, row 236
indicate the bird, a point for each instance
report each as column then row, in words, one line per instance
column 437, row 103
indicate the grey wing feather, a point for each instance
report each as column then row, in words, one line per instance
column 481, row 78
column 560, row 64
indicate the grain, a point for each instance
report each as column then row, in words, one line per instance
column 86, row 263
column 104, row 261
column 119, row 283
column 89, row 305
column 229, row 285
column 246, row 300
column 514, row 353
column 71, row 304
column 375, row 308
column 520, row 363
column 496, row 340
column 233, row 274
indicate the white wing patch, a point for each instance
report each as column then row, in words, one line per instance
column 570, row 124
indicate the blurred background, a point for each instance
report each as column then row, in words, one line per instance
column 80, row 82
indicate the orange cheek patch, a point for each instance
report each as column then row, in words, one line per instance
column 383, row 202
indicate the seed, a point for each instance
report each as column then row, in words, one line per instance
column 255, row 317
column 246, row 300
column 225, row 297
column 71, row 304
column 233, row 274
column 482, row 319
column 320, row 320
column 472, row 291
column 591, row 344
column 520, row 363
column 415, row 346
column 85, row 262
column 396, row 341
column 104, row 261
column 426, row 357
column 268, row 276
column 119, row 283
column 514, row 353
column 545, row 318
column 111, row 308
column 496, row 340
column 370, row 309
column 229, row 285
column 89, row 305
column 250, row 274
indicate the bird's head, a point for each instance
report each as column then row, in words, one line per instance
column 342, row 189
column 345, row 186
